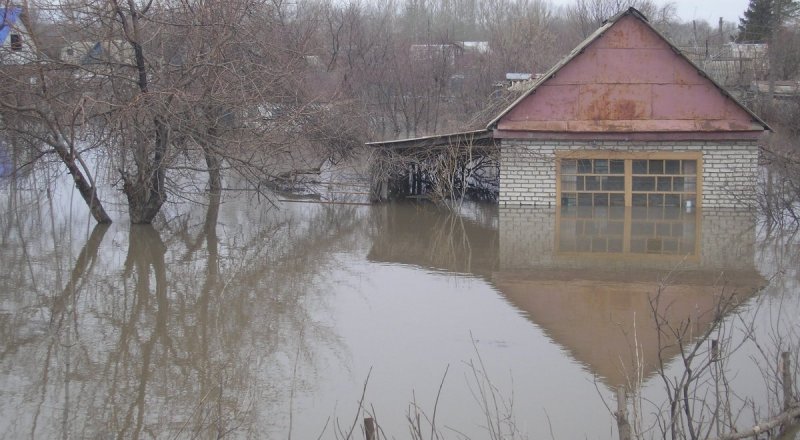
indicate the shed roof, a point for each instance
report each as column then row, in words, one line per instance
column 626, row 83
column 478, row 137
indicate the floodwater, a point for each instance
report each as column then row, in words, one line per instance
column 246, row 321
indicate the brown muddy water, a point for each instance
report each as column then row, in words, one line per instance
column 251, row 322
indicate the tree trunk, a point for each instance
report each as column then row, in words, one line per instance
column 146, row 194
column 214, row 164
column 83, row 183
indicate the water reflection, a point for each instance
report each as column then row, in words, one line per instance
column 617, row 230
column 133, row 333
column 229, row 319
column 589, row 277
column 435, row 238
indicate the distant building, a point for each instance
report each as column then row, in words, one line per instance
column 477, row 47
column 446, row 53
column 733, row 64
column 85, row 53
column 16, row 44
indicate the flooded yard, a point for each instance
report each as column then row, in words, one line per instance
column 246, row 321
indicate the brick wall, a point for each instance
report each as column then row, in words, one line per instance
column 528, row 173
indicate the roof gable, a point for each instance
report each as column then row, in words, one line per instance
column 625, row 78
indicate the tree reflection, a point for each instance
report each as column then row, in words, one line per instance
column 193, row 333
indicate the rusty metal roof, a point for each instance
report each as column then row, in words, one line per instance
column 591, row 39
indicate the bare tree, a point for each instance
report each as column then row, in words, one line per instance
column 168, row 89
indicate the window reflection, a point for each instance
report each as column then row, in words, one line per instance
column 633, row 230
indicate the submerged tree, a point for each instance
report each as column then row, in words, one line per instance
column 160, row 90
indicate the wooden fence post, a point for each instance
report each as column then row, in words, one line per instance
column 788, row 389
column 369, row 428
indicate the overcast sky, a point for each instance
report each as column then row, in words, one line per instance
column 709, row 10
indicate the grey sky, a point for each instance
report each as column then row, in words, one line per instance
column 709, row 10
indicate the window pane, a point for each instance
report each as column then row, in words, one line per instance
column 664, row 184
column 677, row 184
column 617, row 199
column 584, row 166
column 592, row 183
column 672, row 200
column 689, row 167
column 672, row 167
column 690, row 184
column 655, row 200
column 601, row 166
column 601, row 199
column 584, row 199
column 639, row 200
column 569, row 166
column 569, row 199
column 568, row 183
column 639, row 167
column 656, row 167
column 617, row 166
column 644, row 183
column 615, row 183
column 579, row 183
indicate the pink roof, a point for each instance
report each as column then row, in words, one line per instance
column 626, row 78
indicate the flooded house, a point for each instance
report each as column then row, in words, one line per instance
column 626, row 119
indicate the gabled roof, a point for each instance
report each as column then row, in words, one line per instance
column 548, row 79
column 8, row 19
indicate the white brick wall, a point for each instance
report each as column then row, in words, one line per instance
column 528, row 172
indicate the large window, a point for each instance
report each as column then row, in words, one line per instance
column 619, row 179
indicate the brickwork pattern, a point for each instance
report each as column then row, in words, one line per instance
column 528, row 169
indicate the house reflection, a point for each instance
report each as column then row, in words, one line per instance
column 587, row 277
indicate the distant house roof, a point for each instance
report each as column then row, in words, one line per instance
column 548, row 84
column 475, row 46
column 511, row 76
column 8, row 19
